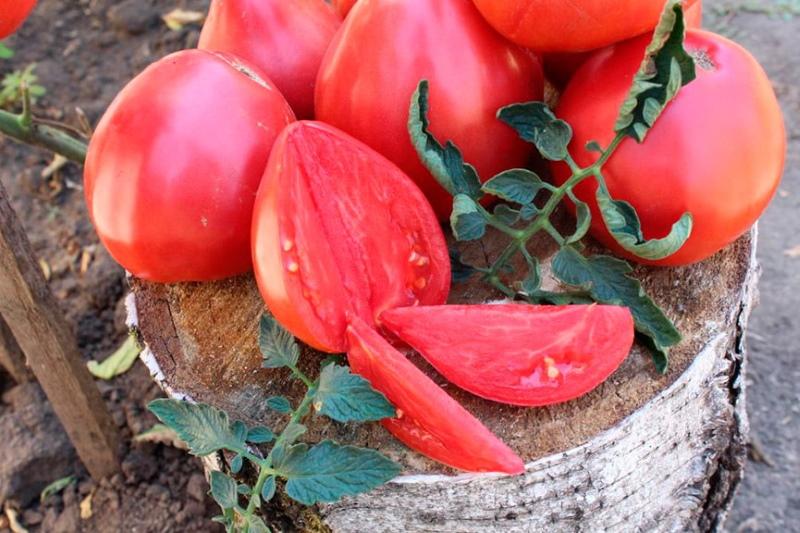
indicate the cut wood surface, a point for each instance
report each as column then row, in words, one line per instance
column 33, row 315
column 642, row 452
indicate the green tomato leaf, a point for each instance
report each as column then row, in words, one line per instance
column 536, row 123
column 278, row 346
column 203, row 428
column 445, row 163
column 279, row 404
column 260, row 435
column 607, row 280
column 467, row 222
column 623, row 223
column 243, row 489
column 583, row 216
column 256, row 525
column 328, row 471
column 665, row 69
column 347, row 397
column 268, row 489
column 236, row 464
column 528, row 212
column 516, row 185
column 117, row 363
column 533, row 280
column 292, row 432
column 459, row 270
column 505, row 214
column 223, row 490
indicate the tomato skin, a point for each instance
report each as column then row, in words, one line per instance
column 12, row 14
column 717, row 151
column 429, row 420
column 343, row 7
column 340, row 231
column 561, row 66
column 285, row 38
column 575, row 26
column 380, row 55
column 525, row 355
column 174, row 165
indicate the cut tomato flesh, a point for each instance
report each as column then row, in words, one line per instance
column 339, row 230
column 429, row 420
column 518, row 354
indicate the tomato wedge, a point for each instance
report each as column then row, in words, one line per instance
column 338, row 230
column 429, row 420
column 519, row 354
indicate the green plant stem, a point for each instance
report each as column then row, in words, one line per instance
column 520, row 238
column 265, row 465
column 25, row 129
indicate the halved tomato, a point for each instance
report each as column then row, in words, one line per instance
column 429, row 420
column 339, row 230
column 527, row 355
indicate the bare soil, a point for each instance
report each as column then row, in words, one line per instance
column 87, row 49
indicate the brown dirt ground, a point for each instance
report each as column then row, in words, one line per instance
column 86, row 51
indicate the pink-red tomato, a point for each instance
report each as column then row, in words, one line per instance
column 174, row 166
column 343, row 6
column 12, row 14
column 428, row 419
column 285, row 38
column 383, row 51
column 518, row 354
column 570, row 26
column 339, row 231
column 560, row 67
column 716, row 152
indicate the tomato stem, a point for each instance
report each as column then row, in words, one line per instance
column 25, row 128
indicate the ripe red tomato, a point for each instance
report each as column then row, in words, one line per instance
column 717, row 151
column 339, row 231
column 574, row 26
column 343, row 6
column 173, row 168
column 12, row 14
column 285, row 38
column 382, row 52
column 518, row 354
column 561, row 66
column 428, row 419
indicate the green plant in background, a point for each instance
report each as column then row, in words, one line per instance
column 323, row 472
column 527, row 213
column 13, row 85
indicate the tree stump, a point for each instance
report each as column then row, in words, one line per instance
column 643, row 452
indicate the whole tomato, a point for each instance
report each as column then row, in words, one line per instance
column 343, row 6
column 717, row 151
column 560, row 67
column 12, row 14
column 174, row 166
column 574, row 26
column 284, row 38
column 382, row 52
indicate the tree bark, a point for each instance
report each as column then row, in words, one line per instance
column 641, row 452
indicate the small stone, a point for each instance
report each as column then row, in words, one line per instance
column 197, row 487
column 133, row 16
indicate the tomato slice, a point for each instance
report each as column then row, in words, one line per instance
column 429, row 420
column 519, row 354
column 338, row 230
